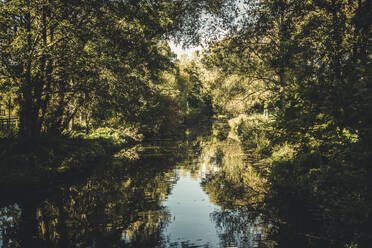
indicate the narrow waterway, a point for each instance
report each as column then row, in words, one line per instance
column 190, row 210
column 185, row 193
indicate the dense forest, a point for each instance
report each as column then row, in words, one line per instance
column 87, row 81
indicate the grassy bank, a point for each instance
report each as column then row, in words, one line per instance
column 30, row 163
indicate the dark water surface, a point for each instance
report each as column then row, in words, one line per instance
column 186, row 193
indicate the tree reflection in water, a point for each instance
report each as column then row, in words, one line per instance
column 233, row 184
column 116, row 207
column 120, row 204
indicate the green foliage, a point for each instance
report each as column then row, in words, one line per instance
column 312, row 57
column 88, row 59
column 194, row 92
column 254, row 132
column 54, row 156
column 8, row 133
column 97, row 66
column 220, row 129
column 235, row 86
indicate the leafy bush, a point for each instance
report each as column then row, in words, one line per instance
column 254, row 133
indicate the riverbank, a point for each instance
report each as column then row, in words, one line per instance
column 52, row 159
column 323, row 183
column 115, row 191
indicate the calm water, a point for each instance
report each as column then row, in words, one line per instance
column 190, row 210
column 187, row 193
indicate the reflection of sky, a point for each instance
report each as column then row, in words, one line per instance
column 193, row 216
column 190, row 209
column 4, row 219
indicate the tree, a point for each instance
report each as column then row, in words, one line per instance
column 61, row 54
column 313, row 58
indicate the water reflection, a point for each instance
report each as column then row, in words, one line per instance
column 9, row 217
column 109, row 208
column 233, row 185
column 232, row 192
column 190, row 208
column 198, row 192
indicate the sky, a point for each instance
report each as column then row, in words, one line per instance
column 177, row 49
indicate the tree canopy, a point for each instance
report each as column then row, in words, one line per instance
column 63, row 57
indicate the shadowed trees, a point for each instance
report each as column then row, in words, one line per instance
column 313, row 59
column 65, row 57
